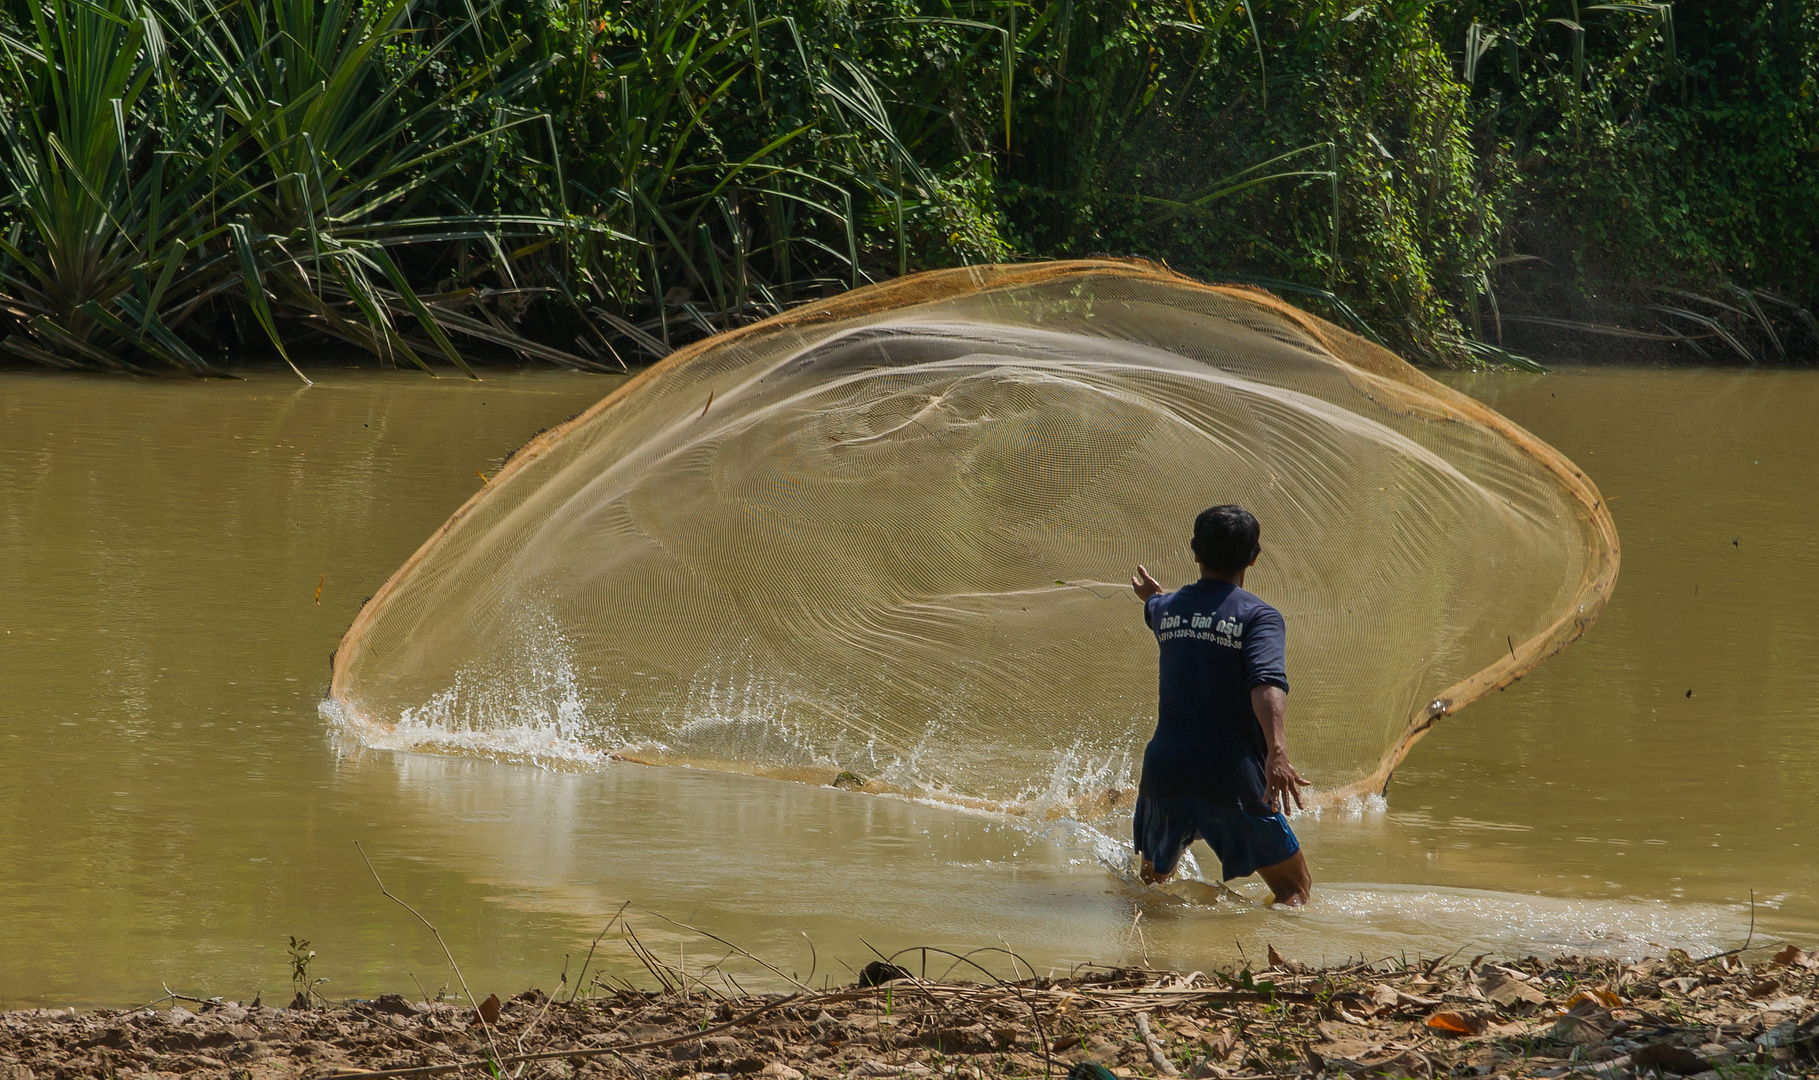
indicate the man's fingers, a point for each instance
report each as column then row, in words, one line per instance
column 1283, row 786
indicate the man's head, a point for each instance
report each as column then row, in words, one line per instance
column 1225, row 539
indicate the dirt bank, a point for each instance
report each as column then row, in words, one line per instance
column 1754, row 1014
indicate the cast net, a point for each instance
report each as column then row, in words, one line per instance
column 889, row 535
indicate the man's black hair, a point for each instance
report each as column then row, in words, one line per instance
column 1225, row 538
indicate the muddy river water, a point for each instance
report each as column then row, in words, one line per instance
column 178, row 558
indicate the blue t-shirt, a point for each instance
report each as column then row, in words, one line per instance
column 1217, row 642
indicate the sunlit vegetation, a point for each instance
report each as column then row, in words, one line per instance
column 185, row 182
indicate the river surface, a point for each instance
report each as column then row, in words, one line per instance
column 178, row 558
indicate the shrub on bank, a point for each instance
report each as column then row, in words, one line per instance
column 182, row 180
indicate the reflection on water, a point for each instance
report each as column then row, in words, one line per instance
column 172, row 807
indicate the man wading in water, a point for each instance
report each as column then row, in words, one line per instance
column 1217, row 767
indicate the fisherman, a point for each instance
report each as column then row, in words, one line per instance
column 1217, row 768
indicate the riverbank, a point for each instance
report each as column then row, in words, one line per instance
column 1754, row 1013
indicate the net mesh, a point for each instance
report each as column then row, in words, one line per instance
column 888, row 535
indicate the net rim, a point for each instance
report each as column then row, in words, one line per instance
column 1371, row 360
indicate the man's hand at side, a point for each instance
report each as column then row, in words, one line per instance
column 1281, row 783
column 1144, row 585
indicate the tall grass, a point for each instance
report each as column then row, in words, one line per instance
column 96, row 228
column 188, row 178
column 180, row 179
column 751, row 160
column 589, row 183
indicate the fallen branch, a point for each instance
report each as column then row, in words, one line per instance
column 471, row 999
column 1157, row 1057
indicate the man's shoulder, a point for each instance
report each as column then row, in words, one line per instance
column 1229, row 600
column 1251, row 605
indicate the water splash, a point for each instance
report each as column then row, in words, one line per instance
column 538, row 716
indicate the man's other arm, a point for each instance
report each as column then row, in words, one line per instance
column 1281, row 782
column 1266, row 666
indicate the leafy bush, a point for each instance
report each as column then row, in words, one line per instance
column 583, row 182
column 1668, row 157
column 396, row 176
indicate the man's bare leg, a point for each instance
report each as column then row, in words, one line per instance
column 1288, row 879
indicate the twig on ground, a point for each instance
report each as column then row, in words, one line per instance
column 814, row 957
column 581, row 979
column 1157, row 1057
column 1434, row 966
column 548, row 1000
column 774, row 971
column 172, row 995
column 471, row 999
column 1751, row 936
column 657, row 968
column 151, row 1003
column 652, row 964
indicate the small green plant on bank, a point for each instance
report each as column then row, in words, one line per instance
column 301, row 956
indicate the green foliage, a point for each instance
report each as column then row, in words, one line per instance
column 743, row 163
column 397, row 176
column 580, row 182
column 301, row 956
column 1321, row 145
column 1665, row 147
column 229, row 166
column 94, row 221
column 1324, row 147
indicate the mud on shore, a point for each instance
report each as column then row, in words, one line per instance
column 1753, row 1014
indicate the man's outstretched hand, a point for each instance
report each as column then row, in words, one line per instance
column 1281, row 783
column 1144, row 585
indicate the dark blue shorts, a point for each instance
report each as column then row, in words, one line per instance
column 1164, row 827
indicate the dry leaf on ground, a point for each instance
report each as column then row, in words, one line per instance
column 1585, row 1022
column 1675, row 1059
column 1599, row 996
column 1448, row 1022
column 1508, row 992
